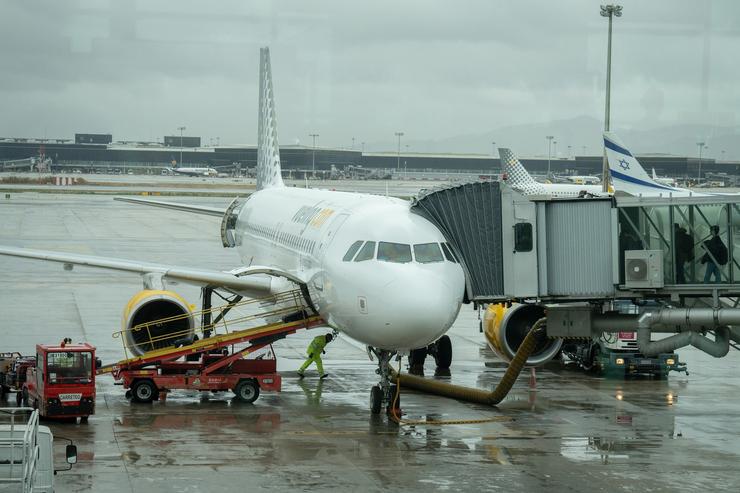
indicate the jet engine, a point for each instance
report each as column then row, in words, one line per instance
column 505, row 329
column 155, row 319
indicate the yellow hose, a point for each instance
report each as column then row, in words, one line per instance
column 469, row 394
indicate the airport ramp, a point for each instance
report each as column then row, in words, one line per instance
column 469, row 216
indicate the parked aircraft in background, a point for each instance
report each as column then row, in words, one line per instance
column 517, row 177
column 664, row 181
column 373, row 269
column 584, row 179
column 192, row 171
column 628, row 175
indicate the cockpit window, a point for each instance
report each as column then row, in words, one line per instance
column 426, row 253
column 367, row 252
column 394, row 252
column 448, row 252
column 352, row 250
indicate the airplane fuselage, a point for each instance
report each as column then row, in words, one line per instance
column 404, row 296
column 195, row 171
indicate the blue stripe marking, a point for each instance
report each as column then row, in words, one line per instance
column 614, row 147
column 637, row 181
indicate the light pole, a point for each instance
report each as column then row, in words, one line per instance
column 701, row 146
column 353, row 143
column 609, row 11
column 313, row 153
column 584, row 150
column 363, row 147
column 569, row 156
column 549, row 152
column 180, row 129
column 398, row 161
column 493, row 148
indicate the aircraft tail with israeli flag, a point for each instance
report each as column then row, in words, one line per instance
column 629, row 176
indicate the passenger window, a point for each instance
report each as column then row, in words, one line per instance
column 367, row 252
column 523, row 237
column 394, row 252
column 426, row 253
column 447, row 249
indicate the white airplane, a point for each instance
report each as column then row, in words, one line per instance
column 663, row 181
column 374, row 270
column 584, row 179
column 193, row 171
column 517, row 177
column 628, row 175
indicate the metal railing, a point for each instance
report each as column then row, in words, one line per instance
column 21, row 466
column 282, row 304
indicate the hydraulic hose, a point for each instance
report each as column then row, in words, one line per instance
column 479, row 396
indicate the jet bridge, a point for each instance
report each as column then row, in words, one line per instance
column 677, row 257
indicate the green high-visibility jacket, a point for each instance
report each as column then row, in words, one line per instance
column 317, row 345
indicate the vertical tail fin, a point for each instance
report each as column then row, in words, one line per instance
column 627, row 173
column 268, row 153
column 516, row 175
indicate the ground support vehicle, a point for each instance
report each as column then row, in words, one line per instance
column 62, row 382
column 13, row 368
column 618, row 356
column 215, row 363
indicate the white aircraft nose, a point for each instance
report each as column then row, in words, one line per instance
column 412, row 312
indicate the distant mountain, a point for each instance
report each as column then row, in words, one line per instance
column 529, row 140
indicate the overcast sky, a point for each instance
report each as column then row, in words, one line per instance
column 343, row 69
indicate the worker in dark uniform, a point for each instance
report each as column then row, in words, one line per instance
column 716, row 255
column 684, row 245
column 314, row 351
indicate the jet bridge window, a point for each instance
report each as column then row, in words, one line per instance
column 367, row 252
column 352, row 250
column 426, row 253
column 523, row 237
column 394, row 252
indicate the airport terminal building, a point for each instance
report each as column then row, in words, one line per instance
column 98, row 152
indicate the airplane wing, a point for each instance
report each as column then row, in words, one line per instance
column 242, row 281
column 197, row 209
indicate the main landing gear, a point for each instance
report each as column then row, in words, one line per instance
column 441, row 350
column 384, row 392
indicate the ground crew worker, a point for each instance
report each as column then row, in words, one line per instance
column 314, row 355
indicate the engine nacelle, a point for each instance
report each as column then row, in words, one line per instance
column 506, row 328
column 155, row 319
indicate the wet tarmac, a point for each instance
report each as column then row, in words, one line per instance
column 571, row 432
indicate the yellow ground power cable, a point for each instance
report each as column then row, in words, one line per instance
column 468, row 394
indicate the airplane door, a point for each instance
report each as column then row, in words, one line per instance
column 519, row 221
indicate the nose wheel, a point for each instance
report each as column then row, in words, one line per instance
column 383, row 393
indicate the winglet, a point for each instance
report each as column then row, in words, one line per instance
column 268, row 153
column 517, row 177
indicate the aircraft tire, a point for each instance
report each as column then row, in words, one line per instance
column 376, row 399
column 443, row 353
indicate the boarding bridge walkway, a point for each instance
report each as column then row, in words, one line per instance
column 514, row 247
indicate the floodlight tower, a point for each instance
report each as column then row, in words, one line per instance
column 609, row 11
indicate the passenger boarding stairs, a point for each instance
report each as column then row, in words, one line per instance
column 251, row 329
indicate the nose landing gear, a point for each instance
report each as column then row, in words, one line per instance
column 384, row 392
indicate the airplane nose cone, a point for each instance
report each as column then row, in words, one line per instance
column 417, row 311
